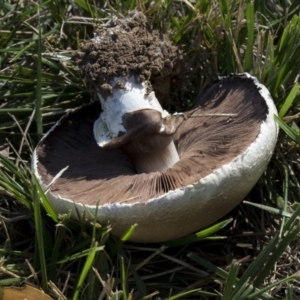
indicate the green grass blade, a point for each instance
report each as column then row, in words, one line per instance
column 45, row 202
column 255, row 266
column 86, row 268
column 40, row 238
column 287, row 54
column 123, row 277
column 54, row 11
column 38, row 103
column 185, row 294
column 220, row 272
column 226, row 12
column 270, row 209
column 231, row 281
column 292, row 220
column 60, row 235
column 289, row 100
column 141, row 286
column 289, row 293
column 198, row 236
column 128, row 233
column 292, row 133
column 13, row 168
column 275, row 256
column 86, row 6
column 80, row 254
column 11, row 281
column 250, row 37
column 290, row 231
column 119, row 242
column 258, row 293
column 285, row 193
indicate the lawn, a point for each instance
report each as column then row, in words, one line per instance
column 251, row 253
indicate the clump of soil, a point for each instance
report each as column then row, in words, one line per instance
column 129, row 47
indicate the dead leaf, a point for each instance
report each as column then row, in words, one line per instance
column 24, row 293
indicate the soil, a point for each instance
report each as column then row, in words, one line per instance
column 129, row 47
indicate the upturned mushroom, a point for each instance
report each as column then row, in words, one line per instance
column 131, row 162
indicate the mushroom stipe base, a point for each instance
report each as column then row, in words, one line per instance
column 221, row 159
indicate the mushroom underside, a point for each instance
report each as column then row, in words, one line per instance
column 226, row 121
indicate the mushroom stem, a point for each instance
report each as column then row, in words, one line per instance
column 160, row 159
column 134, row 121
column 125, row 96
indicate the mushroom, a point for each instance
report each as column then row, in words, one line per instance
column 128, row 161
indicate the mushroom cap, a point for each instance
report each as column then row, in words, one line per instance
column 222, row 156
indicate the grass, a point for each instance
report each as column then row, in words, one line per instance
column 253, row 253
